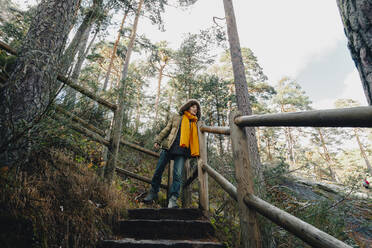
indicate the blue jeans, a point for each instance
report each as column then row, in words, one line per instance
column 179, row 162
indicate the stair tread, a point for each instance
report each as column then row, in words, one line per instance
column 166, row 213
column 165, row 220
column 160, row 241
column 165, row 229
column 144, row 243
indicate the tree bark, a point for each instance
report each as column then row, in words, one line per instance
column 241, row 86
column 119, row 113
column 290, row 143
column 202, row 174
column 115, row 48
column 241, row 89
column 33, row 83
column 158, row 92
column 357, row 19
column 249, row 225
column 268, row 147
column 107, row 78
column 258, row 131
column 327, row 156
column 291, row 151
column 85, row 26
column 220, row 137
column 362, row 152
column 71, row 93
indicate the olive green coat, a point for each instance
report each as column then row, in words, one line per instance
column 167, row 136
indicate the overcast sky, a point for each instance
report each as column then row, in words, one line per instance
column 296, row 38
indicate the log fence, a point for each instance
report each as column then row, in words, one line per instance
column 249, row 204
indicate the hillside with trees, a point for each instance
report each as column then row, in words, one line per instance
column 58, row 182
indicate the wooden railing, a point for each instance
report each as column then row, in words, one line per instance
column 248, row 202
column 346, row 117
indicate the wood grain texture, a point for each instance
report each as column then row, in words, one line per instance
column 202, row 175
column 345, row 117
column 244, row 176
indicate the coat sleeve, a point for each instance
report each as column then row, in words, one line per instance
column 165, row 132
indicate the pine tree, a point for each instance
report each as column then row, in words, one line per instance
column 33, row 83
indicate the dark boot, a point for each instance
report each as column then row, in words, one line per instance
column 151, row 196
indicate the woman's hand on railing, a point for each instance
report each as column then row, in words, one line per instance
column 156, row 146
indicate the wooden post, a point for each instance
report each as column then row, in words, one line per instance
column 251, row 237
column 202, row 175
column 186, row 192
column 170, row 177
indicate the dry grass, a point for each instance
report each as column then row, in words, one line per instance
column 54, row 202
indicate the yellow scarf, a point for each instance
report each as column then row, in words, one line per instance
column 189, row 136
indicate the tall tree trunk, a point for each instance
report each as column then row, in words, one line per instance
column 241, row 89
column 268, row 147
column 290, row 143
column 327, row 156
column 85, row 26
column 33, row 81
column 357, row 19
column 119, row 113
column 291, row 147
column 107, row 78
column 114, row 50
column 220, row 137
column 170, row 102
column 70, row 96
column 161, row 69
column 363, row 152
column 258, row 131
column 138, row 113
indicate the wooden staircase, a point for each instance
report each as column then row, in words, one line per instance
column 181, row 228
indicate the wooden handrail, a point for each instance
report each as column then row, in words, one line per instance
column 140, row 148
column 87, row 93
column 7, row 48
column 79, row 120
column 308, row 233
column 98, row 138
column 83, row 130
column 216, row 130
column 222, row 181
column 121, row 171
column 345, row 117
column 96, row 135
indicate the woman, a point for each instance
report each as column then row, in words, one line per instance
column 179, row 141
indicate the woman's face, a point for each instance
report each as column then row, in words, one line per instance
column 193, row 109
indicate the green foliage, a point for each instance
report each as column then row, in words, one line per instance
column 13, row 29
column 290, row 96
column 326, row 213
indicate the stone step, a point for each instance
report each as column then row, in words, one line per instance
column 131, row 243
column 165, row 229
column 166, row 213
